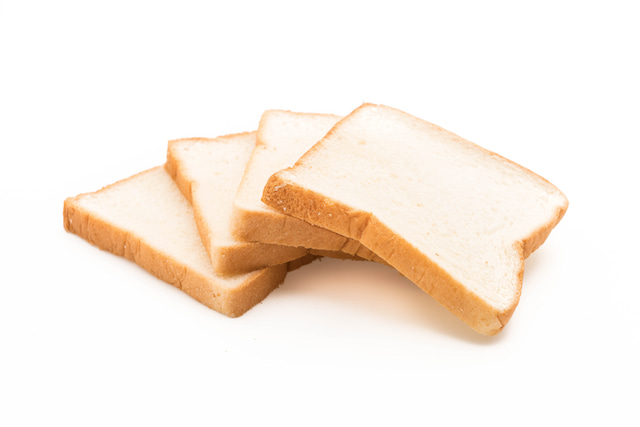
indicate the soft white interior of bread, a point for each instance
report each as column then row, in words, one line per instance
column 216, row 168
column 150, row 206
column 460, row 205
column 283, row 138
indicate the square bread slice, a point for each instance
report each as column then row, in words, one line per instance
column 284, row 136
column 454, row 218
column 146, row 219
column 208, row 172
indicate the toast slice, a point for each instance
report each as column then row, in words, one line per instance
column 283, row 137
column 146, row 219
column 452, row 217
column 208, row 172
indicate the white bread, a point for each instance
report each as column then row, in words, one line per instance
column 283, row 137
column 146, row 219
column 454, row 218
column 208, row 172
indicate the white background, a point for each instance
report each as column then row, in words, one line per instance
column 90, row 92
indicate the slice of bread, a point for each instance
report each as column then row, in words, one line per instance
column 146, row 219
column 208, row 172
column 454, row 218
column 283, row 137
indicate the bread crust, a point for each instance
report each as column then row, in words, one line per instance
column 255, row 226
column 282, row 193
column 106, row 236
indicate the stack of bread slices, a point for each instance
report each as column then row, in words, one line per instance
column 226, row 218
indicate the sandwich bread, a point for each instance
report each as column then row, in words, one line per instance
column 452, row 217
column 146, row 219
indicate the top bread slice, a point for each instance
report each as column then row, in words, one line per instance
column 283, row 137
column 452, row 217
column 146, row 219
column 208, row 172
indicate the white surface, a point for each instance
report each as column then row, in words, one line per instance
column 90, row 92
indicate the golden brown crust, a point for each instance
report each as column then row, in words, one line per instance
column 300, row 262
column 266, row 227
column 335, row 254
column 247, row 257
column 533, row 242
column 240, row 299
column 171, row 167
column 106, row 236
